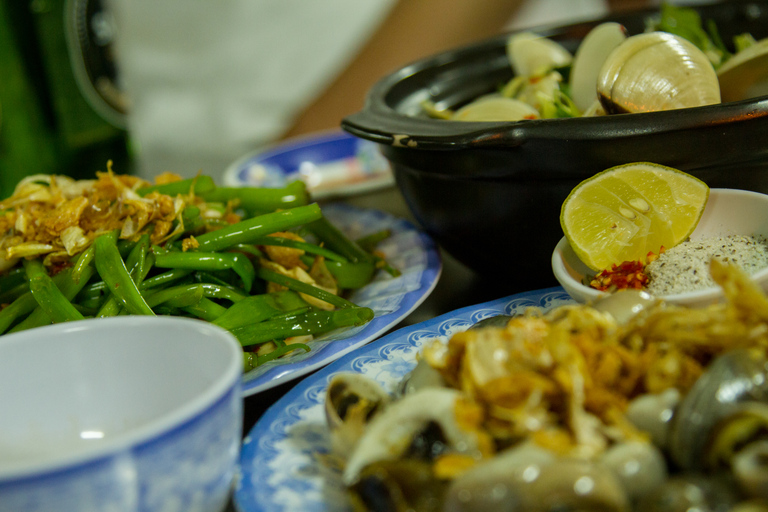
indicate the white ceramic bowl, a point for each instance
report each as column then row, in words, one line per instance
column 728, row 212
column 119, row 414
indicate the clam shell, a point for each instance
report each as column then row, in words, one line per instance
column 502, row 482
column 531, row 54
column 589, row 58
column 422, row 376
column 624, row 305
column 640, row 466
column 730, row 383
column 751, row 470
column 349, row 390
column 390, row 433
column 745, row 75
column 495, row 108
column 352, row 400
column 656, row 71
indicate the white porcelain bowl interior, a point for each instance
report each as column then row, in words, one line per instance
column 125, row 413
column 728, row 212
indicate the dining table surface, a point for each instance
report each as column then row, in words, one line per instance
column 457, row 287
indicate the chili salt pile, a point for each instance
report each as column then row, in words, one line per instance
column 685, row 267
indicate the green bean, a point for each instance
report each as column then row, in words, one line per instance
column 238, row 262
column 190, row 212
column 290, row 314
column 350, row 275
column 312, row 322
column 337, row 241
column 138, row 254
column 92, row 303
column 47, row 294
column 296, row 244
column 261, row 199
column 194, row 289
column 206, row 309
column 165, row 278
column 124, row 247
column 197, row 185
column 87, row 312
column 251, row 360
column 176, row 296
column 83, row 261
column 111, row 268
column 37, row 318
column 218, row 279
column 207, row 277
column 295, row 284
column 13, row 278
column 111, row 307
column 218, row 291
column 386, row 267
column 137, row 261
column 91, row 290
column 257, row 308
column 249, row 249
column 245, row 231
column 69, row 288
column 14, row 293
column 368, row 243
column 26, row 303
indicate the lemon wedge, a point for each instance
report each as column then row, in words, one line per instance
column 625, row 212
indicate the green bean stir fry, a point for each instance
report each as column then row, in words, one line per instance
column 264, row 264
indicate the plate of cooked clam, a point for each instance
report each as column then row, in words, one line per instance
column 531, row 402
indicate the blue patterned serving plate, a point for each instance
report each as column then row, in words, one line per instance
column 281, row 463
column 408, row 249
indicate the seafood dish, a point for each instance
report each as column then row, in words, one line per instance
column 680, row 61
column 626, row 403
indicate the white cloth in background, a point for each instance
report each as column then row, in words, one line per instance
column 209, row 81
column 536, row 13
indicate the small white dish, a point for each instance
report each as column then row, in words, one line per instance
column 728, row 212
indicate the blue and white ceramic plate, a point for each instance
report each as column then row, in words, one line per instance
column 282, row 464
column 332, row 164
column 409, row 250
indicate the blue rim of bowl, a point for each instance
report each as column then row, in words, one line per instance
column 156, row 431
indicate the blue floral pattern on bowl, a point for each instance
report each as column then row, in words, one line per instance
column 283, row 463
column 189, row 468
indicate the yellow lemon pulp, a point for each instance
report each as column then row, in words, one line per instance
column 625, row 212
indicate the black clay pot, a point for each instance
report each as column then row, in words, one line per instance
column 490, row 193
